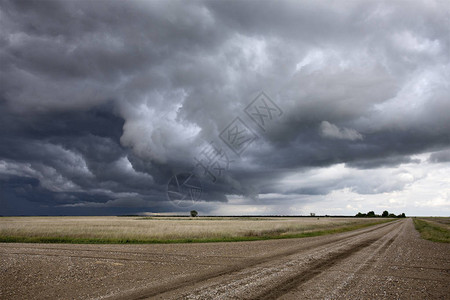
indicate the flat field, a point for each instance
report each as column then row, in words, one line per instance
column 166, row 229
column 434, row 229
column 385, row 261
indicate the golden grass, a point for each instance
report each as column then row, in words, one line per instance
column 161, row 228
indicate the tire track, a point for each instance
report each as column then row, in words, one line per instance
column 248, row 273
column 372, row 258
column 113, row 258
column 301, row 271
column 22, row 247
column 312, row 271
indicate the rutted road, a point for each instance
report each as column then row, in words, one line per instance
column 383, row 261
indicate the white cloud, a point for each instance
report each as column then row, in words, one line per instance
column 414, row 188
column 329, row 130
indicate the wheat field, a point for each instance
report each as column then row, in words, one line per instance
column 165, row 228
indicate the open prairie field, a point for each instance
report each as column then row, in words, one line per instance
column 169, row 229
column 384, row 261
column 434, row 229
column 442, row 221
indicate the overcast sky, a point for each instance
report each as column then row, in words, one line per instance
column 307, row 106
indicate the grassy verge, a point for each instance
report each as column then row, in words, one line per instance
column 72, row 240
column 432, row 232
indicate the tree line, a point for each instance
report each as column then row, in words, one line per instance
column 385, row 214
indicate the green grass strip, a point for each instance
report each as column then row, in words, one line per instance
column 71, row 240
column 432, row 232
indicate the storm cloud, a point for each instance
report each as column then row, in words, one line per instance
column 103, row 102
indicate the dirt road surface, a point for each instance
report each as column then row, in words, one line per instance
column 387, row 261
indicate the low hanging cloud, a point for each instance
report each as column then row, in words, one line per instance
column 440, row 156
column 329, row 130
column 99, row 100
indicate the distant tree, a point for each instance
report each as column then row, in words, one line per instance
column 194, row 213
column 371, row 214
column 392, row 216
column 360, row 215
column 385, row 214
column 402, row 215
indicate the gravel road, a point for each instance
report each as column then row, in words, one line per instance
column 387, row 261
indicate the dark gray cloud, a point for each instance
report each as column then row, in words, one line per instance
column 102, row 102
column 440, row 156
